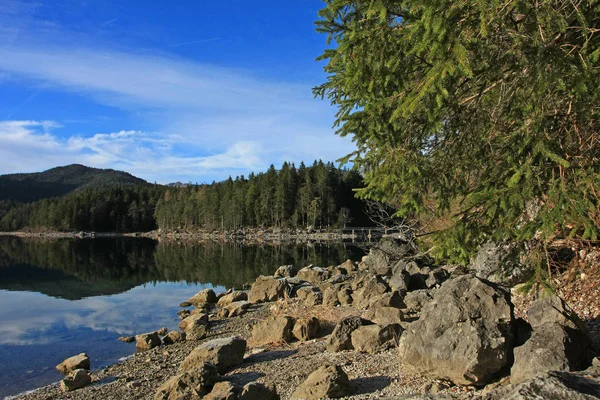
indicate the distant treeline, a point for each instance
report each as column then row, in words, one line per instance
column 105, row 209
column 320, row 196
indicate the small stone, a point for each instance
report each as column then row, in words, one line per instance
column 329, row 381
column 306, row 328
column 80, row 361
column 185, row 304
column 222, row 391
column 127, row 339
column 75, row 380
column 162, row 331
column 258, row 391
column 147, row 341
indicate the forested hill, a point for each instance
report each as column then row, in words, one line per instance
column 60, row 181
column 320, row 195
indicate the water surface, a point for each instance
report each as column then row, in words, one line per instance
column 62, row 297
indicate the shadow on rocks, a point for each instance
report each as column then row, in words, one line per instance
column 369, row 384
column 269, row 356
column 243, row 378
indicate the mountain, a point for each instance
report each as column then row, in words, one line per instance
column 60, row 181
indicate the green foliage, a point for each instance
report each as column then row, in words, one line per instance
column 289, row 197
column 105, row 209
column 484, row 112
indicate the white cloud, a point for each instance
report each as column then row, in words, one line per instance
column 207, row 121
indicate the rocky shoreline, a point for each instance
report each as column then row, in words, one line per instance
column 391, row 326
column 247, row 235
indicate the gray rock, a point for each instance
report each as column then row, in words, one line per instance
column 232, row 298
column 75, row 380
column 203, row 296
column 501, row 263
column 273, row 330
column 188, row 385
column 80, row 361
column 314, row 275
column 391, row 299
column 373, row 287
column 223, row 353
column 286, row 271
column 436, row 277
column 400, row 281
column 147, row 341
column 329, row 381
column 465, row 333
column 417, row 299
column 559, row 341
column 266, row 288
column 386, row 253
column 374, row 338
column 306, row 328
column 554, row 385
column 258, row 391
column 384, row 315
column 310, row 295
column 341, row 337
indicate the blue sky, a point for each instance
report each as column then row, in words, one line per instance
column 181, row 90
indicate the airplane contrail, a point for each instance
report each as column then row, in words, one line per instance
column 27, row 100
column 110, row 22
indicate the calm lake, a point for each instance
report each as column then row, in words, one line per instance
column 62, row 297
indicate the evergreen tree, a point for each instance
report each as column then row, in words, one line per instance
column 485, row 113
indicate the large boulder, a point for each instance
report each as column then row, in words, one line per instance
column 223, row 353
column 386, row 253
column 80, row 361
column 556, row 385
column 266, row 288
column 205, row 296
column 259, row 391
column 273, row 330
column 341, row 337
column 329, row 382
column 501, row 263
column 312, row 274
column 465, row 333
column 189, row 385
column 232, row 298
column 286, row 271
column 559, row 341
column 147, row 341
column 374, row 338
column 306, row 328
column 75, row 380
